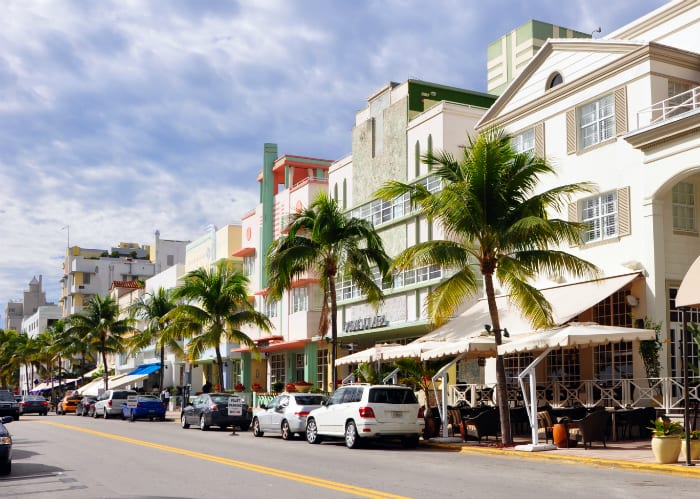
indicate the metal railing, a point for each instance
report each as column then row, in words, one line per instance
column 668, row 108
column 661, row 393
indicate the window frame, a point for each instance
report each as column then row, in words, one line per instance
column 604, row 214
column 602, row 121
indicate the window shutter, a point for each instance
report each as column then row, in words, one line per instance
column 624, row 225
column 539, row 140
column 571, row 132
column 621, row 111
column 573, row 214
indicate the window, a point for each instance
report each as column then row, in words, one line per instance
column 684, row 207
column 299, row 361
column 613, row 362
column 335, row 192
column 271, row 308
column 430, row 149
column 417, row 159
column 679, row 101
column 300, row 299
column 600, row 214
column 345, row 194
column 524, row 142
column 86, row 278
column 554, row 80
column 596, row 121
column 564, row 366
column 514, row 365
column 614, row 310
column 277, row 368
column 248, row 265
column 322, row 368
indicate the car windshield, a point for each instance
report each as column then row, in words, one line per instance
column 7, row 397
column 309, row 399
column 392, row 396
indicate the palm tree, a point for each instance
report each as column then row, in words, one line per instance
column 152, row 308
column 496, row 222
column 322, row 242
column 100, row 325
column 216, row 307
column 10, row 361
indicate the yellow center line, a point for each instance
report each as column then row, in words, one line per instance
column 297, row 477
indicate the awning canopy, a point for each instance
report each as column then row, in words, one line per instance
column 388, row 352
column 95, row 386
column 145, row 369
column 575, row 334
column 129, row 379
column 689, row 291
column 477, row 346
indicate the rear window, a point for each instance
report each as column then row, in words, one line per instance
column 7, row 397
column 392, row 396
column 146, row 398
column 309, row 399
column 220, row 399
column 34, row 398
column 122, row 394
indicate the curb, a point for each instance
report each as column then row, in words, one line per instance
column 669, row 469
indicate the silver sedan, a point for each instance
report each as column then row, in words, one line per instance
column 285, row 415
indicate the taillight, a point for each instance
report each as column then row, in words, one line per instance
column 165, row 405
column 302, row 414
column 138, row 404
column 214, row 407
column 366, row 412
column 109, row 403
column 25, row 403
column 44, row 403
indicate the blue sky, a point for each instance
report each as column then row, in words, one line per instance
column 120, row 118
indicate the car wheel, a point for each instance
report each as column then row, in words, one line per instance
column 6, row 468
column 59, row 412
column 93, row 413
column 352, row 439
column 256, row 428
column 312, row 435
column 132, row 418
column 286, row 433
column 410, row 442
column 183, row 422
column 203, row 423
column 105, row 414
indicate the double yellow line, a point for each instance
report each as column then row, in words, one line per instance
column 265, row 470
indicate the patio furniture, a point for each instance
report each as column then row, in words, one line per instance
column 545, row 425
column 485, row 424
column 593, row 428
column 639, row 418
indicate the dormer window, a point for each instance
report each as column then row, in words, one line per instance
column 554, row 80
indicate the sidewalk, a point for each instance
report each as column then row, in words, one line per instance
column 625, row 454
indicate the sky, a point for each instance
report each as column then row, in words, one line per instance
column 120, row 118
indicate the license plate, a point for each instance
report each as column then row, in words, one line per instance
column 396, row 414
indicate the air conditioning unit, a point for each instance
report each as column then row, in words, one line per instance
column 81, row 287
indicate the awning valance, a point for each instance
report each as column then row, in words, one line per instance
column 145, row 369
column 248, row 251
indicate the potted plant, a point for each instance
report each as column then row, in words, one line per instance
column 694, row 445
column 665, row 443
column 239, row 387
column 290, row 387
column 256, row 387
column 303, row 386
column 278, row 386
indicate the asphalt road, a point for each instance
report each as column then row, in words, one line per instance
column 70, row 456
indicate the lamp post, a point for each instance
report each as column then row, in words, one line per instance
column 686, row 398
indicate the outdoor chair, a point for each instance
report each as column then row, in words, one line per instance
column 485, row 424
column 592, row 428
column 639, row 418
column 545, row 426
column 454, row 421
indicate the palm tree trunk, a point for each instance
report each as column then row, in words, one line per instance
column 501, row 387
column 220, row 365
column 162, row 365
column 334, row 330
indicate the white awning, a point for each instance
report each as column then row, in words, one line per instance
column 478, row 346
column 126, row 380
column 689, row 291
column 567, row 301
column 94, row 387
column 575, row 334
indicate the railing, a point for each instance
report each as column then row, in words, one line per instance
column 661, row 393
column 668, row 108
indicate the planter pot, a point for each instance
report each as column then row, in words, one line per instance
column 694, row 450
column 666, row 448
column 304, row 388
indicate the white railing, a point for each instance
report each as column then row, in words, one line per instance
column 661, row 393
column 668, row 108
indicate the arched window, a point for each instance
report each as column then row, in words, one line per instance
column 335, row 192
column 554, row 80
column 430, row 148
column 417, row 159
column 345, row 193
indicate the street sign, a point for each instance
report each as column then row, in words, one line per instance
column 235, row 406
column 131, row 400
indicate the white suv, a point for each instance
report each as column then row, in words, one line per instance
column 110, row 403
column 358, row 412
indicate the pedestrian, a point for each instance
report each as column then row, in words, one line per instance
column 166, row 396
column 207, row 387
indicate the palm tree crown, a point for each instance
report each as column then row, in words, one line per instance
column 100, row 325
column 322, row 242
column 495, row 221
column 216, row 307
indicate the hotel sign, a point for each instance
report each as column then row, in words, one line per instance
column 363, row 323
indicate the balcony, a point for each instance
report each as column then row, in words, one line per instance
column 669, row 108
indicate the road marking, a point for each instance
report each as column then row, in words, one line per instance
column 288, row 475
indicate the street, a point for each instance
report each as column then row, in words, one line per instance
column 70, row 456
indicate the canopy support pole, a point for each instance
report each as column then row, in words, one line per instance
column 442, row 407
column 531, row 405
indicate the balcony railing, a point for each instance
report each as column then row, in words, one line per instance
column 668, row 108
column 664, row 394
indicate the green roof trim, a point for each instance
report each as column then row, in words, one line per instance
column 418, row 91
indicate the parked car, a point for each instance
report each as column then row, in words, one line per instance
column 85, row 405
column 8, row 405
column 68, row 403
column 361, row 412
column 110, row 403
column 211, row 409
column 34, row 404
column 147, row 406
column 286, row 414
column 5, row 446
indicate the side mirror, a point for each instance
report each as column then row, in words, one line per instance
column 326, row 402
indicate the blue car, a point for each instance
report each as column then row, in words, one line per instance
column 144, row 407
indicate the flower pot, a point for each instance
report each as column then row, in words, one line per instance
column 666, row 448
column 694, row 449
column 304, row 388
